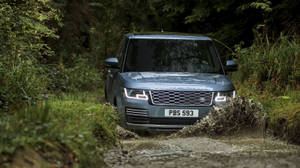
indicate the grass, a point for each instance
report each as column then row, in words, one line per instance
column 282, row 109
column 271, row 66
column 76, row 122
column 269, row 72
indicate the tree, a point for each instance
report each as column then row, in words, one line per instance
column 24, row 33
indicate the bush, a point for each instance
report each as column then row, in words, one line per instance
column 24, row 30
column 270, row 64
column 24, row 127
column 20, row 83
column 85, row 129
column 83, row 77
column 80, row 77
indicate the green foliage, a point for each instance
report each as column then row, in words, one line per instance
column 264, row 5
column 23, row 33
column 222, row 20
column 282, row 110
column 24, row 127
column 80, row 77
column 86, row 129
column 270, row 64
column 286, row 122
column 93, row 28
column 24, row 25
column 269, row 73
column 270, row 100
column 22, row 82
column 92, row 133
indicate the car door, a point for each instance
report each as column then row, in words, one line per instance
column 112, row 73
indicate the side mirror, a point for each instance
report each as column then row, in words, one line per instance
column 231, row 66
column 112, row 63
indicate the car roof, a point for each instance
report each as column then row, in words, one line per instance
column 167, row 35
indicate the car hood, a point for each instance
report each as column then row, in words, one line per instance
column 176, row 81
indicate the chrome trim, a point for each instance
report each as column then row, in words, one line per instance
column 133, row 109
column 136, row 112
column 212, row 98
column 211, row 101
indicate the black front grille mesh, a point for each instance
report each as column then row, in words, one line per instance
column 181, row 98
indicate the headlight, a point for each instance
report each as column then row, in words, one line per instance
column 135, row 94
column 222, row 97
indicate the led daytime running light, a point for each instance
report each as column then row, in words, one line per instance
column 137, row 96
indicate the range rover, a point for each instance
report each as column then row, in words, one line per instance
column 165, row 81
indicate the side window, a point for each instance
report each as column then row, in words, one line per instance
column 122, row 51
column 224, row 51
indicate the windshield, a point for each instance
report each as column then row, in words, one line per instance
column 164, row 55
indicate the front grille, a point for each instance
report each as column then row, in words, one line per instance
column 181, row 98
column 136, row 112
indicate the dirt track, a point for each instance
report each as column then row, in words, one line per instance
column 239, row 151
column 247, row 148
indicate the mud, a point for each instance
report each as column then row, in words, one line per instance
column 239, row 114
column 231, row 136
column 191, row 152
column 125, row 134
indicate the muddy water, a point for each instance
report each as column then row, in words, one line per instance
column 235, row 151
column 247, row 148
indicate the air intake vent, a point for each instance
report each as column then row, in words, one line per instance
column 136, row 112
column 181, row 98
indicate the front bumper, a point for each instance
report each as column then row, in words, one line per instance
column 144, row 116
column 154, row 127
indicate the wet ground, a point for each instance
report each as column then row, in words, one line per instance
column 227, row 151
column 248, row 148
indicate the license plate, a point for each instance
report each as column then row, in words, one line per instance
column 184, row 113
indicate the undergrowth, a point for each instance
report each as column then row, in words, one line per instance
column 282, row 110
column 269, row 72
column 270, row 65
column 78, row 123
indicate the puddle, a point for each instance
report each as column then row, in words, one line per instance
column 194, row 151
